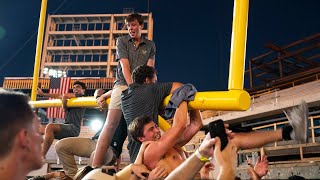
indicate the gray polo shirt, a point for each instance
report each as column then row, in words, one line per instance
column 137, row 55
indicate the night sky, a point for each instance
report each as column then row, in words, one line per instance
column 185, row 31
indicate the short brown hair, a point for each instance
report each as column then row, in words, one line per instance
column 137, row 125
column 142, row 72
column 16, row 114
column 133, row 17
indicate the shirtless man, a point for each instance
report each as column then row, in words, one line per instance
column 166, row 150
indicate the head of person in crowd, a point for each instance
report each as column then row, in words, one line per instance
column 20, row 138
column 79, row 87
column 143, row 129
column 144, row 74
column 134, row 23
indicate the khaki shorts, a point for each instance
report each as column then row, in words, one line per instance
column 115, row 102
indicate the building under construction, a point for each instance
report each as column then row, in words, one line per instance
column 83, row 47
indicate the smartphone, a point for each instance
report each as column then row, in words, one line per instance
column 216, row 128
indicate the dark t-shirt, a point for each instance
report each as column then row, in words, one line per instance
column 75, row 114
column 140, row 100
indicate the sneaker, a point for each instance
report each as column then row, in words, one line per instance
column 298, row 119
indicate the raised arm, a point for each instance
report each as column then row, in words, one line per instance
column 226, row 159
column 175, row 85
column 155, row 151
column 189, row 168
column 192, row 129
column 50, row 95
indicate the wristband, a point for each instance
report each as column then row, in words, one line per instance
column 202, row 158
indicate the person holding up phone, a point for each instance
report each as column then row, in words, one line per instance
column 166, row 150
column 210, row 147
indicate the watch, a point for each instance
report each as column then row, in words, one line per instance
column 202, row 158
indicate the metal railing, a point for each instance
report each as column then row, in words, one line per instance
column 314, row 77
column 44, row 83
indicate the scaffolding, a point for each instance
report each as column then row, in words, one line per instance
column 84, row 45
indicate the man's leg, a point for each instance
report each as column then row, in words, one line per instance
column 297, row 116
column 67, row 148
column 256, row 139
column 49, row 134
column 108, row 160
column 110, row 126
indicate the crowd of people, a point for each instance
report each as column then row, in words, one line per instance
column 136, row 100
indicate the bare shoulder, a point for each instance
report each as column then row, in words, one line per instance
column 151, row 155
column 150, row 149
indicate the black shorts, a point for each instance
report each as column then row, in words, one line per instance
column 67, row 130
